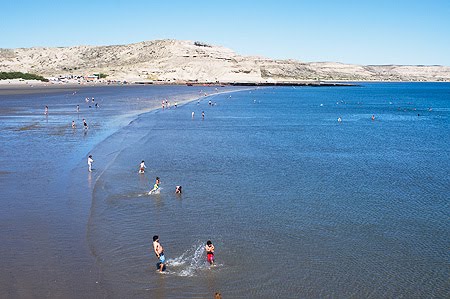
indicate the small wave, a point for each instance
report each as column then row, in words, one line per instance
column 157, row 191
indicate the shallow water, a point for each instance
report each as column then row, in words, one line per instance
column 45, row 191
column 297, row 204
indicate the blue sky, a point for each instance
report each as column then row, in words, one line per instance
column 360, row 32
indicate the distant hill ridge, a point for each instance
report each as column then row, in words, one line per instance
column 175, row 60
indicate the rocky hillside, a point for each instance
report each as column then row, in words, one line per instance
column 173, row 60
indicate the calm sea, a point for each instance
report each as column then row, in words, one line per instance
column 297, row 204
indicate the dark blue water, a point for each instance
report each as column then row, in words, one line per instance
column 297, row 203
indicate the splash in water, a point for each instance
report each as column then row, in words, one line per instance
column 157, row 191
column 190, row 262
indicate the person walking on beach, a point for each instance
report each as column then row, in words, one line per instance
column 142, row 167
column 209, row 248
column 90, row 161
column 159, row 251
column 155, row 186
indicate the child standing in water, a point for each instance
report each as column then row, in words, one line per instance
column 209, row 248
column 90, row 161
column 142, row 167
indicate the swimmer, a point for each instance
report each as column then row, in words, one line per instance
column 46, row 110
column 142, row 167
column 373, row 117
column 339, row 119
column 203, row 114
column 178, row 190
column 193, row 113
column 73, row 124
column 85, row 124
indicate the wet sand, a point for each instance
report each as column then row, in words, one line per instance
column 42, row 87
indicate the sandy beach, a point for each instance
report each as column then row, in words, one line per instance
column 18, row 86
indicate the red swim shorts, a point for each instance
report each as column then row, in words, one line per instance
column 210, row 257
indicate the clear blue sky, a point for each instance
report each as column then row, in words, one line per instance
column 361, row 32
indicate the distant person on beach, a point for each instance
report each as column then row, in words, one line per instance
column 85, row 124
column 209, row 248
column 176, row 105
column 89, row 162
column 178, row 190
column 155, row 186
column 46, row 110
column 73, row 124
column 159, row 251
column 142, row 167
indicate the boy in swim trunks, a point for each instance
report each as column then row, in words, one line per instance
column 209, row 248
column 159, row 251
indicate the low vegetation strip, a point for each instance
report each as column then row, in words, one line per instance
column 20, row 75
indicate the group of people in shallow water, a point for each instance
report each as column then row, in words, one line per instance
column 142, row 168
column 157, row 247
column 159, row 251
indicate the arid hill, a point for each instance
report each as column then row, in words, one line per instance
column 173, row 60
